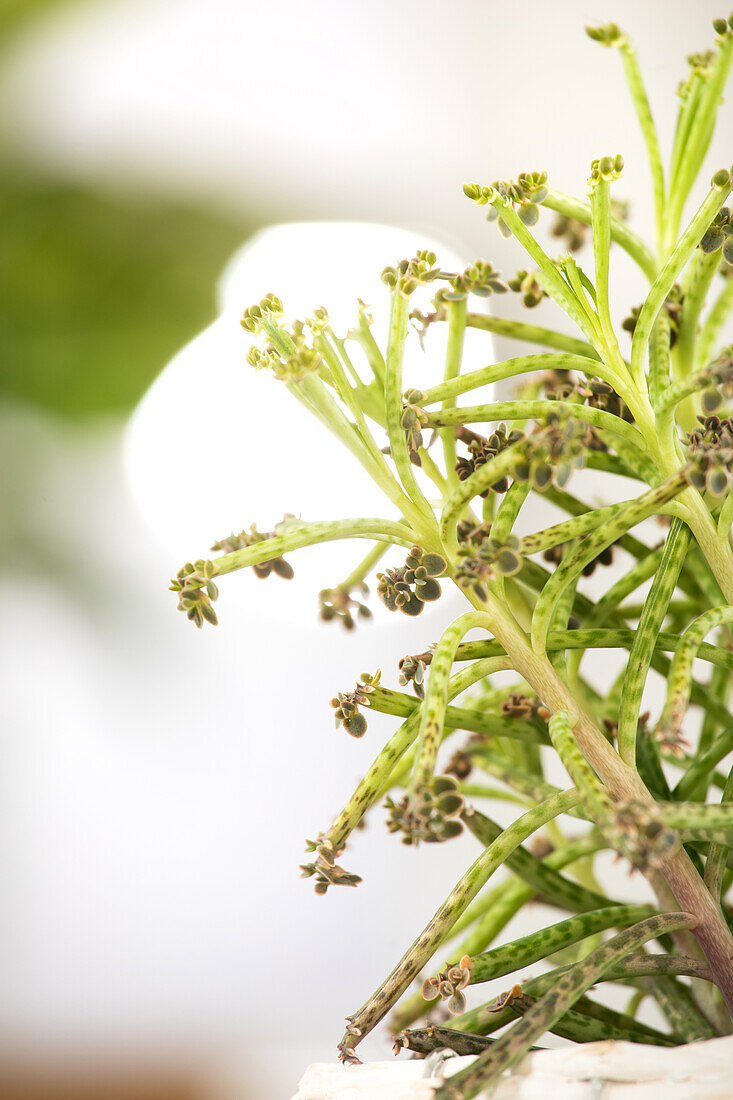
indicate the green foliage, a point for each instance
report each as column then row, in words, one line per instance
column 639, row 782
column 15, row 13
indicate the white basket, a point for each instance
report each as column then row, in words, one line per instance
column 591, row 1071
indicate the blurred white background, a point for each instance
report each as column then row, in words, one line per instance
column 157, row 783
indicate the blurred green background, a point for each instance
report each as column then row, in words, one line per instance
column 97, row 289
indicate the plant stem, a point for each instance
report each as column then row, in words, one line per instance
column 624, row 783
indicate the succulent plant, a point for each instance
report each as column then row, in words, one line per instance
column 654, row 789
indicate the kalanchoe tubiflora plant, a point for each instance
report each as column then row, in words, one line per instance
column 650, row 788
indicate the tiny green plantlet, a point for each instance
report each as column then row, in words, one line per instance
column 647, row 401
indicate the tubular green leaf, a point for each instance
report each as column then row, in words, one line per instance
column 609, row 602
column 398, row 322
column 510, row 368
column 553, row 887
column 701, row 127
column 699, row 819
column 665, row 280
column 554, row 283
column 680, row 675
column 582, row 1027
column 703, row 765
column 513, row 956
column 678, row 391
column 385, row 701
column 489, row 915
column 474, row 485
column 439, row 927
column 719, row 313
column 432, row 711
column 309, row 534
column 570, row 528
column 526, row 783
column 487, row 1018
column 559, row 858
column 649, row 132
column 659, row 357
column 626, row 517
column 682, row 1014
column 702, row 270
column 315, row 396
column 652, row 617
column 453, row 356
column 600, row 205
column 538, row 410
column 531, row 334
column 594, row 794
column 620, row 233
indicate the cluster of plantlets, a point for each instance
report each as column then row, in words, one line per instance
column 657, row 414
